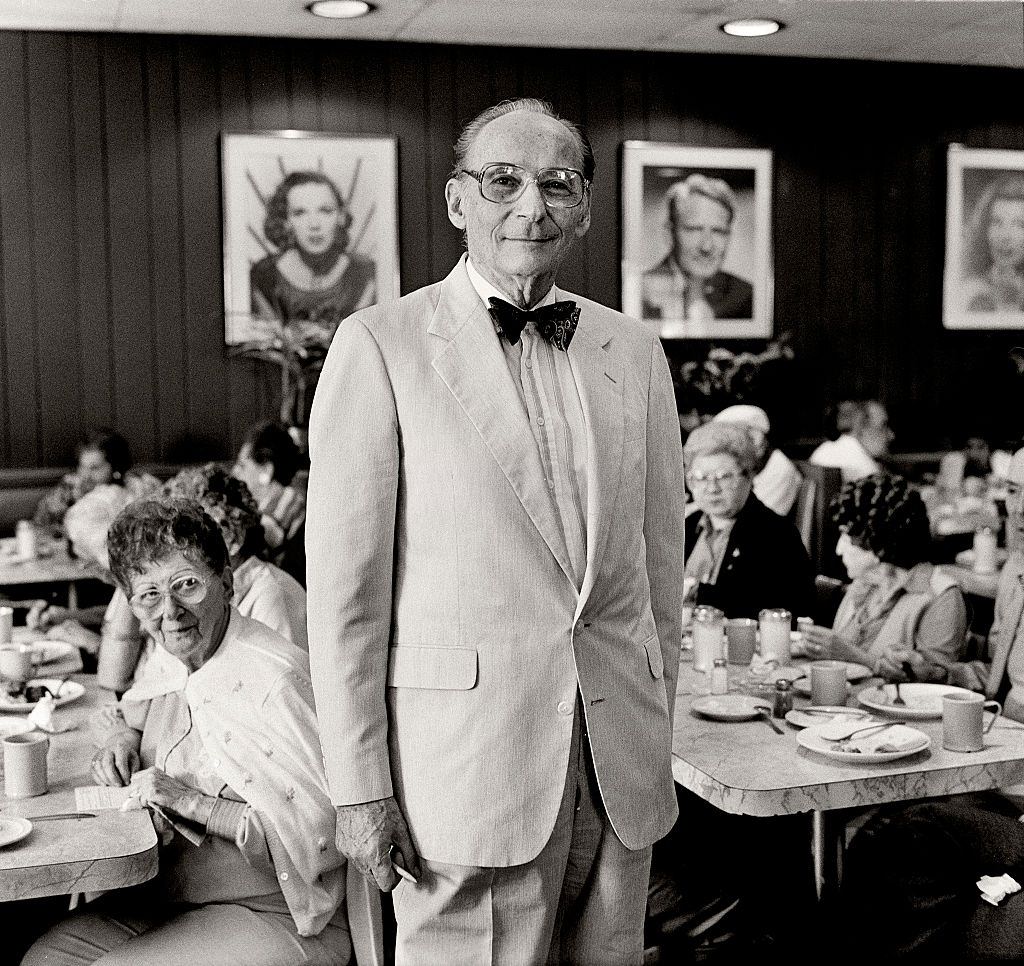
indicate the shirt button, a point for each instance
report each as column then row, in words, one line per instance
column 284, row 876
column 540, row 420
column 529, row 365
column 565, row 707
column 551, row 484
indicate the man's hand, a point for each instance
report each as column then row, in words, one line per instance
column 903, row 666
column 365, row 836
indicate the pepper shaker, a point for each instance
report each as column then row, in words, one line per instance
column 783, row 703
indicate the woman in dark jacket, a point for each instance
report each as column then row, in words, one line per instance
column 740, row 555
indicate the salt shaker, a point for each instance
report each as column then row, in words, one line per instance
column 25, row 539
column 985, row 551
column 720, row 676
column 783, row 703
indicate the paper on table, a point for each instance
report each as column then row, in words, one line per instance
column 89, row 798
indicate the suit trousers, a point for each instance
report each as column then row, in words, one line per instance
column 580, row 901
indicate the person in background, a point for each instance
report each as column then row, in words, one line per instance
column 104, row 459
column 226, row 754
column 742, row 556
column 688, row 284
column 261, row 591
column 271, row 465
column 901, row 616
column 864, row 438
column 776, row 480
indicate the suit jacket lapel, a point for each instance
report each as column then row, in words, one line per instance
column 598, row 375
column 473, row 367
column 1008, row 624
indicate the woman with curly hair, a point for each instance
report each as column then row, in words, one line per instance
column 312, row 279
column 901, row 616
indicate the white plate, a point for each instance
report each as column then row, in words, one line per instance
column 812, row 741
column 13, row 726
column 802, row 717
column 13, row 830
column 70, row 691
column 729, row 707
column 923, row 701
column 854, row 672
column 46, row 651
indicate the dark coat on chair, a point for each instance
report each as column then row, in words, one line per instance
column 765, row 565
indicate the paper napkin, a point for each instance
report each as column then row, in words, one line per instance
column 995, row 888
column 42, row 716
column 892, row 739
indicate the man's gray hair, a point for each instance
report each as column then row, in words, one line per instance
column 531, row 105
column 699, row 184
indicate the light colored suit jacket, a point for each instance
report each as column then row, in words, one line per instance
column 447, row 637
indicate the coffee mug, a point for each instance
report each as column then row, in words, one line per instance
column 741, row 635
column 828, row 683
column 25, row 764
column 962, row 721
column 16, row 662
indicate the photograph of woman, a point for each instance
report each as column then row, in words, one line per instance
column 312, row 277
column 985, row 239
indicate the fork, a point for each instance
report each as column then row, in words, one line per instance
column 898, row 700
column 766, row 712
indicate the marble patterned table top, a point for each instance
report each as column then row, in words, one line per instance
column 747, row 769
column 111, row 851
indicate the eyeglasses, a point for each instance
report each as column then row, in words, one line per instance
column 504, row 183
column 188, row 590
column 723, row 478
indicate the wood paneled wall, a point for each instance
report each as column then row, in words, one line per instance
column 110, row 216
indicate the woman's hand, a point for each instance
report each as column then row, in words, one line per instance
column 116, row 762
column 42, row 616
column 890, row 667
column 72, row 632
column 155, row 787
column 823, row 644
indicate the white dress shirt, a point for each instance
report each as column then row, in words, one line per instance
column 848, row 456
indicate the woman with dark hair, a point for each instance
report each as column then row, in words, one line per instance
column 901, row 616
column 270, row 464
column 993, row 255
column 312, row 279
column 226, row 754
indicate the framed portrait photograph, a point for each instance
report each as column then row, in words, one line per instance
column 696, row 245
column 983, row 285
column 310, row 233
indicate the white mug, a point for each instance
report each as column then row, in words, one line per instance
column 16, row 662
column 25, row 764
column 828, row 683
column 6, row 624
column 962, row 721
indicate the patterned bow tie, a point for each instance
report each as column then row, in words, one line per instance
column 556, row 322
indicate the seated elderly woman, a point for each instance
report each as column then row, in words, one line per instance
column 262, row 591
column 740, row 556
column 901, row 616
column 226, row 755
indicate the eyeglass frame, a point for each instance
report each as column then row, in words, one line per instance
column 730, row 477
column 478, row 177
column 168, row 592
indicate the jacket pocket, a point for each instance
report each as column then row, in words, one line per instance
column 440, row 668
column 653, row 648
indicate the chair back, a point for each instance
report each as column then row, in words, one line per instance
column 365, row 921
column 812, row 515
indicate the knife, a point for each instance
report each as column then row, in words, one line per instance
column 60, row 815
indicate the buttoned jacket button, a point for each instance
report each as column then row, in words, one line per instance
column 565, row 707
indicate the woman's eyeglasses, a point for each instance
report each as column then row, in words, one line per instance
column 188, row 590
column 504, row 183
column 722, row 478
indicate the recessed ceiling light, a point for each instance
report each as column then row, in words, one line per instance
column 340, row 9
column 752, row 27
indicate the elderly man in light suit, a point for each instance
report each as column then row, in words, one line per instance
column 494, row 541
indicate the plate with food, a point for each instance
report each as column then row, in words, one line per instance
column 873, row 744
column 921, row 701
column 729, row 707
column 21, row 700
column 820, row 714
column 854, row 672
column 13, row 830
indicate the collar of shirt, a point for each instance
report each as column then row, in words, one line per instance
column 245, row 574
column 487, row 291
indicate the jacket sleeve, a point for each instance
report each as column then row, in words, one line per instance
column 941, row 633
column 350, row 534
column 663, row 517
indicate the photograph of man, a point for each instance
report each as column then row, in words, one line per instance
column 688, row 284
column 495, row 573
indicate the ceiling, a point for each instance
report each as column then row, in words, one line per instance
column 941, row 31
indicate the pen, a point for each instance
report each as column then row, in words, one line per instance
column 404, row 873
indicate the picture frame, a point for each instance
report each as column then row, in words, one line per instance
column 310, row 233
column 983, row 277
column 713, row 277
